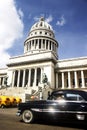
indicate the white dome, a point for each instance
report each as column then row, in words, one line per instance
column 41, row 38
column 42, row 24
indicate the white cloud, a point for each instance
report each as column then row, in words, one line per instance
column 61, row 22
column 49, row 19
column 11, row 28
column 20, row 13
column 36, row 18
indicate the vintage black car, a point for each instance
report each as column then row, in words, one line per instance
column 61, row 105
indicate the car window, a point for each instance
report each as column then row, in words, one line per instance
column 57, row 97
column 74, row 97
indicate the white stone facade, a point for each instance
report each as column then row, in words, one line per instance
column 41, row 56
column 72, row 73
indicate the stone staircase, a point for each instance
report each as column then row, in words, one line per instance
column 15, row 91
column 26, row 92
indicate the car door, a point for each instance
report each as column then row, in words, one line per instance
column 75, row 105
column 57, row 106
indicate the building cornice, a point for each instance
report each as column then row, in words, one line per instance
column 33, row 58
column 72, row 63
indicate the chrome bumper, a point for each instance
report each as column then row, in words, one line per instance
column 18, row 113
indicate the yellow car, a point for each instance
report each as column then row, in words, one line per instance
column 18, row 100
column 13, row 101
column 4, row 101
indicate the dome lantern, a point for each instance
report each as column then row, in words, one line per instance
column 42, row 19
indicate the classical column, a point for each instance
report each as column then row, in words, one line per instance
column 13, row 78
column 54, row 47
column 41, row 43
column 75, row 77
column 37, row 43
column 29, row 77
column 23, row 83
column 82, row 79
column 41, row 75
column 69, row 80
column 31, row 44
column 51, row 46
column 2, row 81
column 48, row 45
column 34, row 43
column 27, row 47
column 35, row 76
column 62, row 80
column 45, row 44
column 18, row 80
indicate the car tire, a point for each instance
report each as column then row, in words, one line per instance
column 27, row 116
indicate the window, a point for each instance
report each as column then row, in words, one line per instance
column 41, row 24
column 74, row 97
column 40, row 32
column 58, row 96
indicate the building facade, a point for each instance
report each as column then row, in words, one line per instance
column 41, row 58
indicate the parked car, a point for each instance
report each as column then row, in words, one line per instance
column 18, row 100
column 61, row 105
column 13, row 101
column 4, row 101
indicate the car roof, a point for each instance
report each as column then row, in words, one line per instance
column 74, row 91
column 68, row 90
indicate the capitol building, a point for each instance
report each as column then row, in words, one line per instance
column 24, row 73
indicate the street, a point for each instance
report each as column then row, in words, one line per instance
column 9, row 121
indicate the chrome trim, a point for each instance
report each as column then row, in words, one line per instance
column 67, row 101
column 18, row 114
column 37, row 110
column 57, row 111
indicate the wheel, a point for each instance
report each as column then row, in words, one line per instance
column 2, row 106
column 27, row 116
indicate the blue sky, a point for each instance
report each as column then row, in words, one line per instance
column 67, row 17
